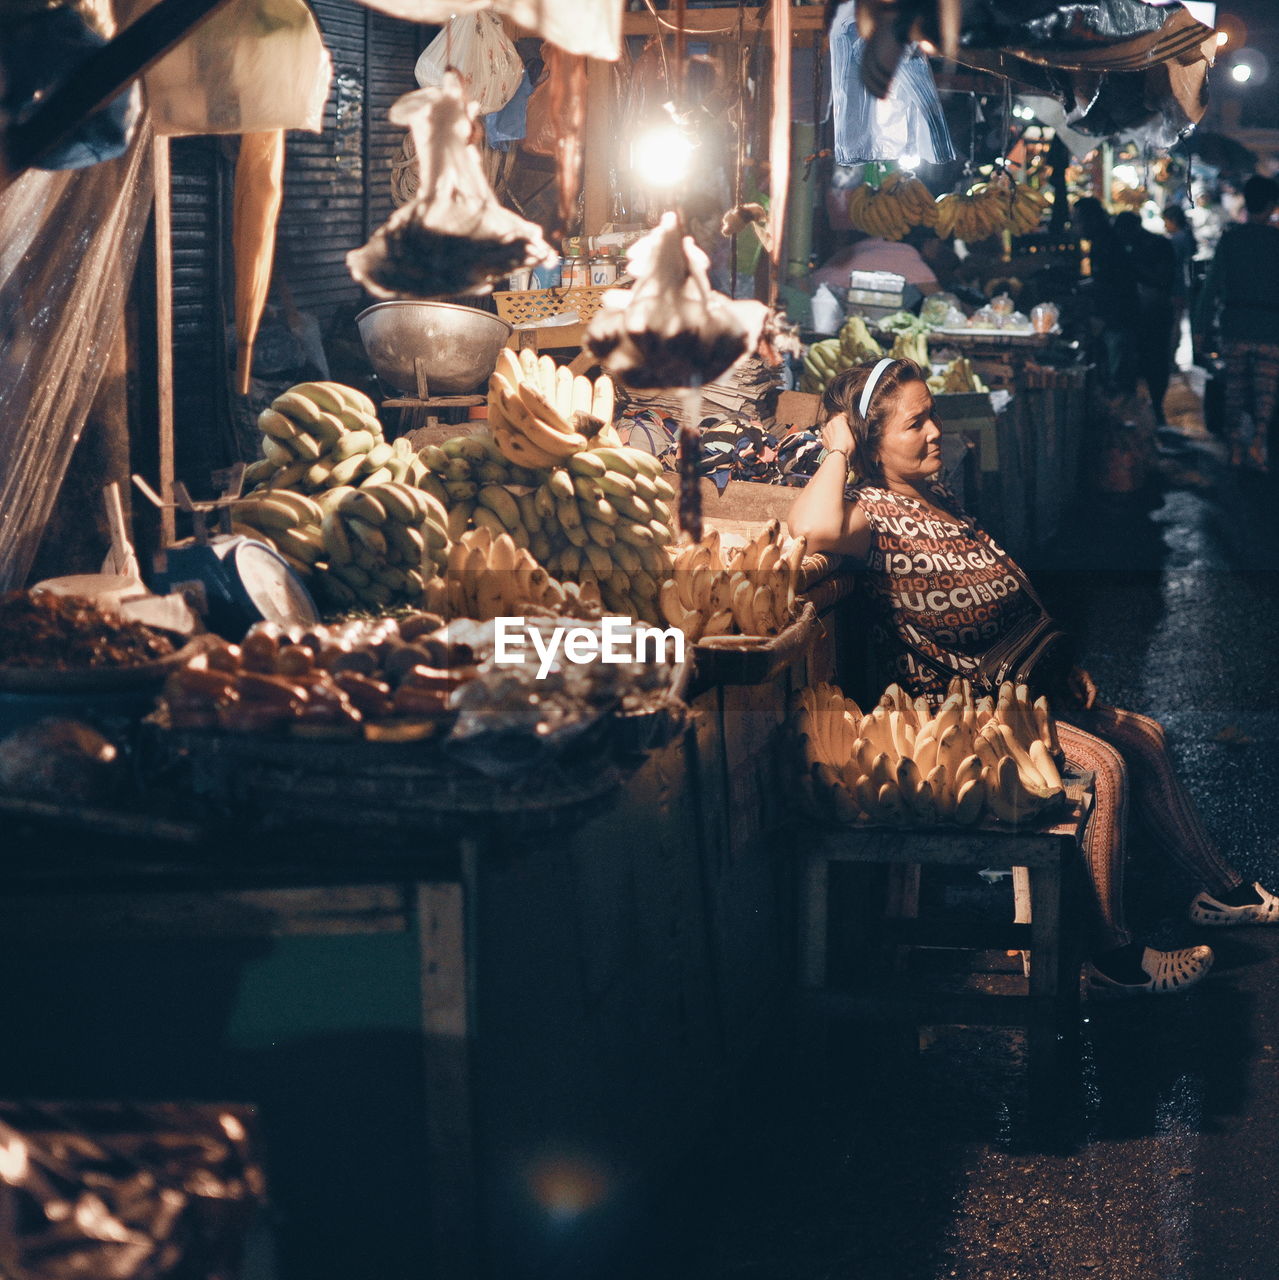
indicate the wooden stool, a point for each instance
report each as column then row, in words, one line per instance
column 1049, row 1009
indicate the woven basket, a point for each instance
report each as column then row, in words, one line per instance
column 528, row 306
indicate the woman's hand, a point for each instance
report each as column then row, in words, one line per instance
column 1080, row 687
column 837, row 434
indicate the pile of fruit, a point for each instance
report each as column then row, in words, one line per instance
column 912, row 345
column 473, row 480
column 904, row 765
column 988, row 208
column 894, row 208
column 376, row 545
column 958, row 376
column 490, row 577
column 541, row 413
column 853, row 346
column 319, row 435
column 386, row 681
column 751, row 590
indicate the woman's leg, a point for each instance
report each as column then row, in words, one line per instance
column 1160, row 799
column 1238, row 396
column 1103, row 844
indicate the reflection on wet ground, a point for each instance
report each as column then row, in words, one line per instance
column 869, row 1166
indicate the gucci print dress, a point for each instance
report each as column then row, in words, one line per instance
column 941, row 592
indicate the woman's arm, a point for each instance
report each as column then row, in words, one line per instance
column 821, row 513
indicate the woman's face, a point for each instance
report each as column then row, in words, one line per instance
column 910, row 443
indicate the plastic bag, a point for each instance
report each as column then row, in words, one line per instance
column 477, row 48
column 908, row 121
column 827, row 310
column 592, row 28
column 254, row 66
column 453, row 236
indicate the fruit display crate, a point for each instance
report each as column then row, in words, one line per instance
column 277, row 781
column 754, row 659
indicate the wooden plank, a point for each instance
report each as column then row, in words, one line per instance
column 942, row 848
column 600, row 146
column 723, row 22
column 164, row 336
column 447, row 1036
column 244, row 913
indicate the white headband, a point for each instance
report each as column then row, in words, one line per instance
column 869, row 389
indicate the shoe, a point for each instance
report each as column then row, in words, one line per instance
column 1205, row 909
column 1169, row 972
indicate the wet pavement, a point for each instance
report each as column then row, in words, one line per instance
column 1166, row 1167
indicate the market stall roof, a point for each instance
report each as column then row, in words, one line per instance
column 1114, row 65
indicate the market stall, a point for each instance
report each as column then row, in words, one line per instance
column 423, row 790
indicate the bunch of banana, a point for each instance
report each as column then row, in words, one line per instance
column 899, row 203
column 853, row 346
column 825, row 723
column 286, row 521
column 912, row 345
column 605, row 518
column 901, row 763
column 488, row 577
column 470, row 476
column 381, row 543
column 958, row 376
column 751, row 590
column 320, row 435
column 972, row 215
column 542, row 414
column 1026, row 207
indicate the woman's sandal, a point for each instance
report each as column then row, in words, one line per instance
column 1205, row 909
column 1168, row 972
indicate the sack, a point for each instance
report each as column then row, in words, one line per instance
column 480, row 51
column 253, row 67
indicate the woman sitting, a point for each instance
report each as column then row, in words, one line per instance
column 947, row 600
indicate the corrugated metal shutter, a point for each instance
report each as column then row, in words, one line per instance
column 200, row 185
column 329, row 208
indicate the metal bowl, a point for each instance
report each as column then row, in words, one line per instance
column 459, row 344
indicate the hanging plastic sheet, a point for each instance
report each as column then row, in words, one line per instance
column 68, row 245
column 590, row 28
column 908, row 121
column 254, row 67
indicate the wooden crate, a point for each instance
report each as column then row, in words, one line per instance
column 528, row 306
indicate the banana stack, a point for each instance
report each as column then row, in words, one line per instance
column 373, row 546
column 899, row 204
column 912, row 345
column 541, row 414
column 904, row 765
column 958, row 376
column 488, row 577
column 473, row 480
column 988, row 208
column 751, row 591
column 853, row 346
column 322, row 435
column 382, row 542
column 288, row 522
column 605, row 518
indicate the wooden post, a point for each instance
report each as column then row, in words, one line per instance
column 602, row 144
column 164, row 335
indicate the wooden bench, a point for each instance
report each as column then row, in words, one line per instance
column 1049, row 1009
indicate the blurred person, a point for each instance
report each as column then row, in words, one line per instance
column 1154, row 264
column 1184, row 245
column 1112, row 292
column 871, row 253
column 1239, row 294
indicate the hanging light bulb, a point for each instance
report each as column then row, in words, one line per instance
column 662, row 156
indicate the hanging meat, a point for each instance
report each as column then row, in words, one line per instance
column 454, row 236
column 671, row 329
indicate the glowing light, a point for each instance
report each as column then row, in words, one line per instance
column 1241, row 73
column 908, row 162
column 1223, row 39
column 662, row 156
